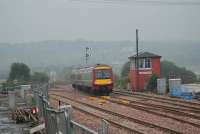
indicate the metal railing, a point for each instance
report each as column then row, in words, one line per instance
column 59, row 121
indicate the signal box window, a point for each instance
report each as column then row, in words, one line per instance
column 141, row 63
column 145, row 63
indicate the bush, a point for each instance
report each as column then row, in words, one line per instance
column 170, row 70
column 152, row 82
column 125, row 69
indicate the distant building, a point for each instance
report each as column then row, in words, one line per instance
column 148, row 64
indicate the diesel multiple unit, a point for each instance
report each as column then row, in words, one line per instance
column 97, row 79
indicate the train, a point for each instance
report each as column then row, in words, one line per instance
column 97, row 79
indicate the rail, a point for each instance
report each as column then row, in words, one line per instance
column 60, row 120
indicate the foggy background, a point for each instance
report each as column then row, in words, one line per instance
column 54, row 33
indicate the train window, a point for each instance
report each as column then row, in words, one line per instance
column 103, row 74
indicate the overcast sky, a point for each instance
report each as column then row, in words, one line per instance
column 36, row 20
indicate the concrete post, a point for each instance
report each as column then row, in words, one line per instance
column 23, row 90
column 22, row 93
column 12, row 99
column 104, row 127
column 27, row 98
column 68, row 112
column 161, row 86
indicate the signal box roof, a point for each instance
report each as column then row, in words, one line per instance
column 145, row 55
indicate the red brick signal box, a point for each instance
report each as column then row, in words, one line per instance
column 148, row 64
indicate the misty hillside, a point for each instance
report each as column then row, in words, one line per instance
column 67, row 53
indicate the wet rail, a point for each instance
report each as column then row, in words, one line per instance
column 142, row 122
column 167, row 99
column 163, row 111
column 81, row 108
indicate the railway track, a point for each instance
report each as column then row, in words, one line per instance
column 186, row 107
column 193, row 102
column 110, row 118
column 163, row 111
column 154, row 125
column 176, row 115
column 194, row 105
column 174, row 110
column 160, row 97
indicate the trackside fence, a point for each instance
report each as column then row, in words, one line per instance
column 59, row 121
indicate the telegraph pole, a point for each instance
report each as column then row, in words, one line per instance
column 137, row 61
column 86, row 55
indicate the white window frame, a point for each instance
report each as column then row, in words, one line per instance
column 143, row 64
column 150, row 62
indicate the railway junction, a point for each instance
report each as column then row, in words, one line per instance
column 65, row 110
column 139, row 113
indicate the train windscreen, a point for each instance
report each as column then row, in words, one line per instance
column 103, row 74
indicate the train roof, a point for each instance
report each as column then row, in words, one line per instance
column 96, row 66
column 102, row 66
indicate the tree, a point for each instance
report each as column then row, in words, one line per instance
column 170, row 70
column 39, row 77
column 124, row 80
column 125, row 69
column 19, row 72
column 152, row 82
